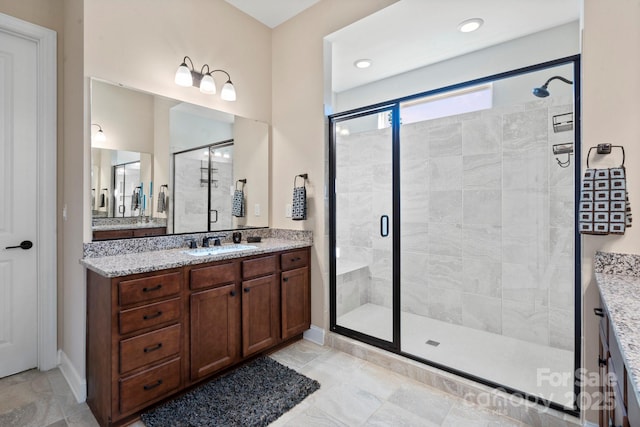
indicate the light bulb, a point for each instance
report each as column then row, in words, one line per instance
column 183, row 76
column 100, row 136
column 228, row 92
column 470, row 25
column 207, row 85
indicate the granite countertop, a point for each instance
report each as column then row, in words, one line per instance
column 142, row 262
column 618, row 279
column 127, row 226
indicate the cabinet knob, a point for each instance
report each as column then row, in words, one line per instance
column 232, row 293
column 296, row 259
column 247, row 289
column 285, row 279
column 598, row 312
column 602, row 362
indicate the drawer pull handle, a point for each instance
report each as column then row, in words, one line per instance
column 232, row 293
column 154, row 348
column 152, row 316
column 598, row 312
column 285, row 279
column 155, row 288
column 296, row 259
column 150, row 386
column 247, row 289
column 602, row 362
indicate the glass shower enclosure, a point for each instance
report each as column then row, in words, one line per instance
column 453, row 238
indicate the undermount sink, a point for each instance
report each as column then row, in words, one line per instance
column 215, row 250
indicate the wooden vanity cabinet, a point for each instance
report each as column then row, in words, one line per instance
column 214, row 311
column 134, row 342
column 295, row 293
column 620, row 407
column 260, row 304
column 152, row 335
column 129, row 232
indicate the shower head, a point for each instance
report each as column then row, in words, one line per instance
column 543, row 92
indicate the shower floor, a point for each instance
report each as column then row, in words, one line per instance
column 532, row 368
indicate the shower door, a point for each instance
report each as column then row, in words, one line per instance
column 363, row 260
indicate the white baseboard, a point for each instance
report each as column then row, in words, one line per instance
column 77, row 384
column 588, row 424
column 315, row 335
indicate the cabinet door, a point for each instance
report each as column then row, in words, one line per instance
column 296, row 310
column 260, row 314
column 215, row 330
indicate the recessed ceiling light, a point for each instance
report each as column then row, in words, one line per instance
column 470, row 25
column 362, row 63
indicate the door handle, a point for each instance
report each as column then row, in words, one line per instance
column 25, row 244
column 384, row 225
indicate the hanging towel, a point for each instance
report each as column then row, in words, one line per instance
column 162, row 201
column 237, row 209
column 135, row 199
column 102, row 200
column 299, row 206
column 604, row 202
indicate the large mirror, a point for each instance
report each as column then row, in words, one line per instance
column 159, row 165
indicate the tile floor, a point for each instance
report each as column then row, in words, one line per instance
column 353, row 392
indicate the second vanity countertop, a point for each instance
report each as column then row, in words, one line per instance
column 619, row 286
column 142, row 262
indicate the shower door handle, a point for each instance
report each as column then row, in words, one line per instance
column 384, row 225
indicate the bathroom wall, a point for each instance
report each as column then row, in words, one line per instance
column 610, row 93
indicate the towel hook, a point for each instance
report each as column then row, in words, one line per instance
column 243, row 181
column 605, row 149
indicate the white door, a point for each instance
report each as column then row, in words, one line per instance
column 18, row 204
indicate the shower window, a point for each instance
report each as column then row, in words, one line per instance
column 483, row 269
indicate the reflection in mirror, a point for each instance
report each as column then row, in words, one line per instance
column 202, row 179
column 161, row 136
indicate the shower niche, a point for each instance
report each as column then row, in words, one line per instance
column 452, row 224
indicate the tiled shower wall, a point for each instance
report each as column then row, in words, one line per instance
column 487, row 221
column 191, row 195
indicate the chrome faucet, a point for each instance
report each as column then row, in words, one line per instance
column 192, row 243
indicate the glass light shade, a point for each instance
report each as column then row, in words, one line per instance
column 228, row 92
column 100, row 136
column 207, row 85
column 183, row 76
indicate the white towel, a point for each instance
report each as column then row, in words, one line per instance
column 604, row 202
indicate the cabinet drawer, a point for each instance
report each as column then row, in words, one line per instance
column 148, row 348
column 148, row 288
column 140, row 389
column 259, row 266
column 292, row 260
column 147, row 316
column 144, row 232
column 214, row 275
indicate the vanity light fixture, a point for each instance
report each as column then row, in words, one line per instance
column 186, row 77
column 470, row 25
column 362, row 63
column 99, row 136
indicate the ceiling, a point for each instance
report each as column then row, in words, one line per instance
column 411, row 34
column 272, row 12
